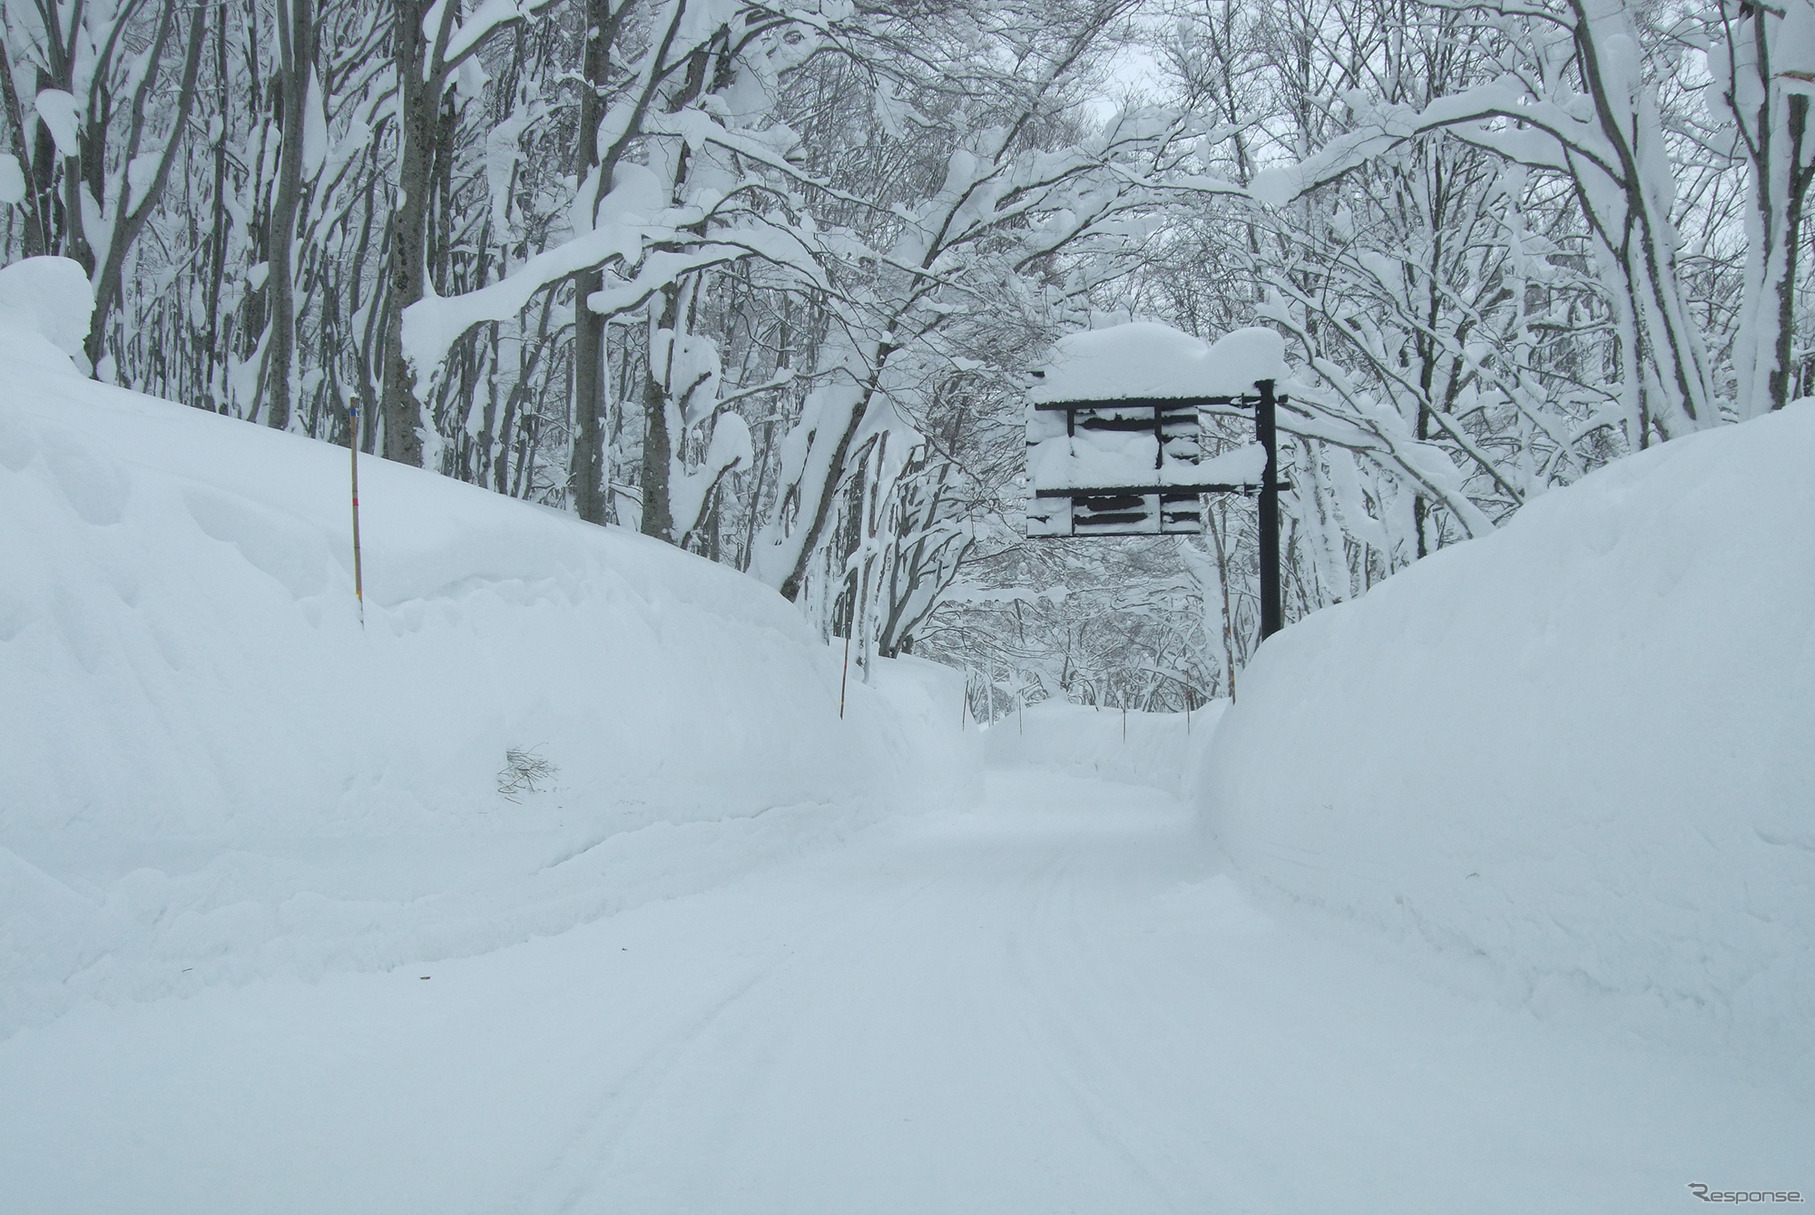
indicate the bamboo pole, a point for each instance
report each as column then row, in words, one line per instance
column 359, row 589
column 845, row 678
column 850, row 626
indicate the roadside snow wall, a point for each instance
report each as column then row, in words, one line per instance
column 181, row 654
column 210, row 772
column 1159, row 749
column 1582, row 747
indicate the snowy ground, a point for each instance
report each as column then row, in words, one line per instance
column 273, row 938
column 1055, row 1002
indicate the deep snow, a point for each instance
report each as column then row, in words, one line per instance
column 183, row 654
column 212, row 772
column 271, row 939
column 1580, row 750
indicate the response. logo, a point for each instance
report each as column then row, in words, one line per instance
column 1707, row 1195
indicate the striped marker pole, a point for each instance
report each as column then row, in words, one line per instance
column 359, row 589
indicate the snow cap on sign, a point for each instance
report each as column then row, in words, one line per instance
column 1144, row 359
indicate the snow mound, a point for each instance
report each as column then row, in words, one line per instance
column 207, row 759
column 48, row 297
column 182, row 651
column 1582, row 747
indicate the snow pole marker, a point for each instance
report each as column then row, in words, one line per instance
column 850, row 626
column 845, row 678
column 359, row 590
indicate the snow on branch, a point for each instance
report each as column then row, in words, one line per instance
column 663, row 268
column 433, row 324
column 1546, row 135
column 489, row 16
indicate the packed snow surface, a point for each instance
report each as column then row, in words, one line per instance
column 1581, row 749
column 1147, row 359
column 1053, row 1003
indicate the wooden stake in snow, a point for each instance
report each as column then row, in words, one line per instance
column 359, row 589
column 850, row 626
column 846, row 677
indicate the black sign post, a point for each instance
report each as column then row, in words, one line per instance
column 1270, row 613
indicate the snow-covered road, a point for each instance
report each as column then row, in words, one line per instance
column 1054, row 1003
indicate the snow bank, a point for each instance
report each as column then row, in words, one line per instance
column 1159, row 749
column 924, row 700
column 180, row 644
column 1582, row 747
column 201, row 742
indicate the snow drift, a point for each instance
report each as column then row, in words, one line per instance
column 1582, row 747
column 191, row 709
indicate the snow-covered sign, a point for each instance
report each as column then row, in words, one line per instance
column 1113, row 428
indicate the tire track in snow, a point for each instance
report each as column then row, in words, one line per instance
column 1020, row 1009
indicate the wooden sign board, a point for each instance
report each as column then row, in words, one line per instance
column 1165, row 513
column 1115, row 437
column 1127, row 468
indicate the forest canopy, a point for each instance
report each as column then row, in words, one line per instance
column 767, row 282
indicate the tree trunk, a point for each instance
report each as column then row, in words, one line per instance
column 296, row 47
column 658, row 444
column 827, row 491
column 137, row 213
column 1800, row 175
column 35, row 228
column 418, row 113
column 586, row 470
column 212, row 354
